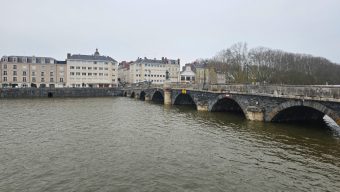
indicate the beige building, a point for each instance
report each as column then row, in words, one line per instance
column 24, row 71
column 91, row 71
column 124, row 72
column 207, row 75
column 153, row 70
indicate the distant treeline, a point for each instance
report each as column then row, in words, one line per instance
column 264, row 65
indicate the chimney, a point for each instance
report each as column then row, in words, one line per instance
column 68, row 55
column 178, row 61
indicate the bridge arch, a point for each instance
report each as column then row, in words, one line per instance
column 157, row 96
column 184, row 99
column 142, row 96
column 132, row 94
column 301, row 111
column 125, row 94
column 223, row 103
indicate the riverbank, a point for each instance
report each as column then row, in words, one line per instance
column 58, row 92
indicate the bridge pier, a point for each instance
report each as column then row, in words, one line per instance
column 202, row 106
column 167, row 93
column 147, row 98
column 254, row 113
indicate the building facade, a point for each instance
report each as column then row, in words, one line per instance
column 124, row 72
column 25, row 71
column 91, row 71
column 187, row 74
column 153, row 70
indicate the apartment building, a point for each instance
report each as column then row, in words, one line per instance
column 91, row 70
column 153, row 70
column 124, row 72
column 31, row 71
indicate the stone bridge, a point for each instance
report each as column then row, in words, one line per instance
column 255, row 102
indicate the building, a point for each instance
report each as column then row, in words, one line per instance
column 153, row 70
column 124, row 72
column 208, row 75
column 31, row 71
column 187, row 75
column 91, row 70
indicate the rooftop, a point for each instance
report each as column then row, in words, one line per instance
column 95, row 57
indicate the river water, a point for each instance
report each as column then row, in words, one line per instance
column 122, row 144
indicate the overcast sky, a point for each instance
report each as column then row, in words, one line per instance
column 186, row 29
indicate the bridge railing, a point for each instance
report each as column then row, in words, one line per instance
column 317, row 92
column 313, row 91
column 294, row 91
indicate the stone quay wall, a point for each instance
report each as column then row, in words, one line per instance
column 58, row 92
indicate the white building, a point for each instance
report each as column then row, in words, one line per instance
column 187, row 75
column 91, row 71
column 153, row 70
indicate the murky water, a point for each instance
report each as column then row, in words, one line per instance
column 122, row 144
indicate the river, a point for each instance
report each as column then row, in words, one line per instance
column 122, row 144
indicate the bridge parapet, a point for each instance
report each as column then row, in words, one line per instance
column 328, row 93
column 313, row 92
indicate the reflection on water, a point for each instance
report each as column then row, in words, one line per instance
column 122, row 144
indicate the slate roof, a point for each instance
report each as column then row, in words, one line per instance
column 91, row 58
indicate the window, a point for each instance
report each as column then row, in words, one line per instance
column 182, row 78
column 33, row 73
column 95, row 68
column 24, row 79
column 5, row 79
column 83, row 68
column 77, row 67
column 106, row 68
column 94, row 74
column 71, row 73
column 24, row 73
column 15, row 79
column 106, row 74
column 100, row 68
column 5, row 66
column 5, row 72
column 14, row 73
column 61, row 79
column 14, row 66
column 33, row 79
column 100, row 74
column 51, row 73
column 42, row 74
column 95, row 62
column 78, row 73
column 42, row 79
column 83, row 74
column 106, row 63
column 51, row 79
column 89, row 68
column 89, row 74
column 71, row 67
